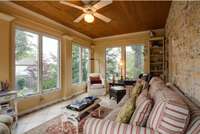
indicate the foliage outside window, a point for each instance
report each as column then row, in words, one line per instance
column 80, row 63
column 85, row 63
column 113, row 57
column 36, row 64
column 50, row 62
column 76, row 58
column 134, row 61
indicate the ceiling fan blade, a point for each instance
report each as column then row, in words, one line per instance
column 71, row 5
column 77, row 20
column 101, row 4
column 102, row 17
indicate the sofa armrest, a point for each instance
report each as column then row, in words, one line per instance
column 98, row 126
column 4, row 129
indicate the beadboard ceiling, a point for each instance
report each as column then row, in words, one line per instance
column 127, row 16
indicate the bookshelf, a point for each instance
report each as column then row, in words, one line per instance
column 157, row 57
column 8, row 104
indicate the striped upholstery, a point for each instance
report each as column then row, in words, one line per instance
column 97, row 126
column 194, row 125
column 143, row 109
column 170, row 115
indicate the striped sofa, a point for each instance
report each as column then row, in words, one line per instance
column 171, row 114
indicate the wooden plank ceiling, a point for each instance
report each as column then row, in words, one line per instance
column 127, row 16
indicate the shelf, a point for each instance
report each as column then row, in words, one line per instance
column 158, row 55
column 156, row 63
column 156, row 71
column 156, row 47
column 156, row 38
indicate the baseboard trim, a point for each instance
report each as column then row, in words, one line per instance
column 73, row 95
column 39, row 107
column 49, row 103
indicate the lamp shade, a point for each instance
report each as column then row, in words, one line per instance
column 89, row 18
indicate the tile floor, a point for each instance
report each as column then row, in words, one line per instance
column 36, row 118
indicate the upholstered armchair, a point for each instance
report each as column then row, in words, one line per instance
column 6, row 123
column 96, row 85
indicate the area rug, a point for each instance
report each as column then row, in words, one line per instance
column 55, row 126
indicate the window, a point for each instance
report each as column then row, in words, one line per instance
column 36, row 63
column 134, row 61
column 50, row 62
column 113, row 57
column 80, row 63
column 26, row 62
column 76, row 58
column 85, row 63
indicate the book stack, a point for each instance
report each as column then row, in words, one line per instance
column 79, row 105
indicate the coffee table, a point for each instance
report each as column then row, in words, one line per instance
column 77, row 118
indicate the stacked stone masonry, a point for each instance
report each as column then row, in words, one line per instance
column 183, row 42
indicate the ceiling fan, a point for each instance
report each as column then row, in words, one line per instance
column 89, row 10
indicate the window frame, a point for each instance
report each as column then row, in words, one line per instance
column 40, row 35
column 89, row 62
column 74, row 43
column 123, row 56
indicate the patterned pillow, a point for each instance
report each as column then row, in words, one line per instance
column 126, row 111
column 143, row 108
column 136, row 89
column 169, row 117
column 194, row 125
column 194, row 128
column 95, row 80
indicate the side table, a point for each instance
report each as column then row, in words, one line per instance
column 117, row 92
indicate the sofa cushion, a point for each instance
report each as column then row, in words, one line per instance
column 95, row 80
column 123, row 101
column 96, row 86
column 142, row 97
column 170, row 114
column 156, row 84
column 194, row 127
column 4, row 129
column 126, row 111
column 142, row 111
column 136, row 89
column 6, row 119
column 194, row 124
column 112, row 115
column 97, row 126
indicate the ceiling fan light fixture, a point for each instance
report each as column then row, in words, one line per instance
column 89, row 18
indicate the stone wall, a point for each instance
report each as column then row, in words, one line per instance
column 183, row 41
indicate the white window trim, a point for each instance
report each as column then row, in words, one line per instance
column 40, row 35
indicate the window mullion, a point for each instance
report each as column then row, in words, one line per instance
column 40, row 65
column 80, row 65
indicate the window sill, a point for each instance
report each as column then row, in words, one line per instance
column 49, row 91
column 79, row 84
